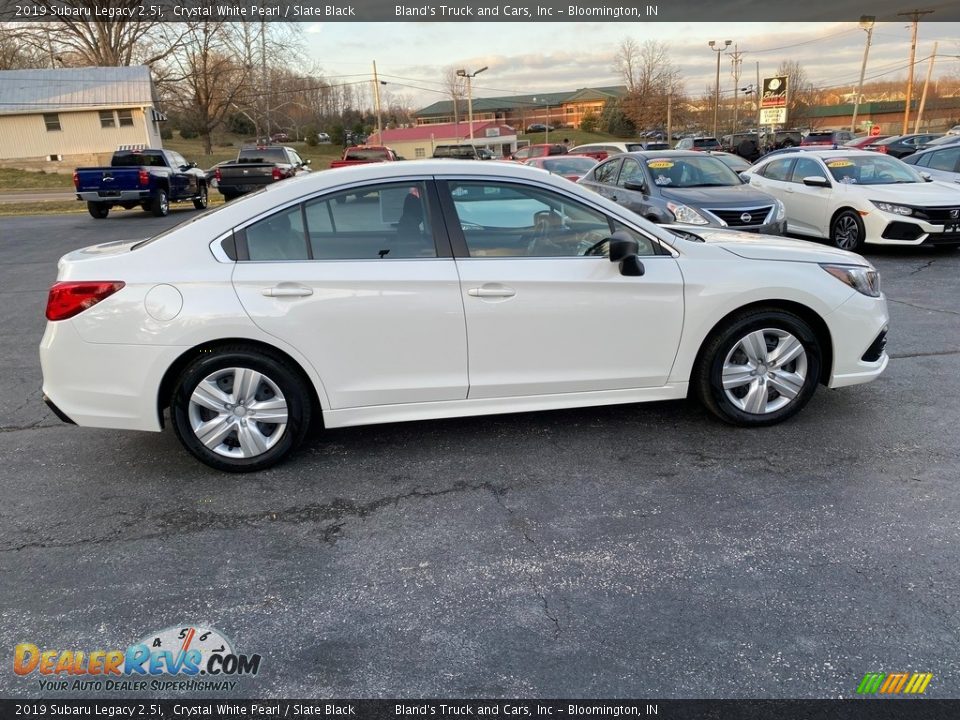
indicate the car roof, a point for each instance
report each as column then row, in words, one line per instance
column 839, row 152
column 646, row 154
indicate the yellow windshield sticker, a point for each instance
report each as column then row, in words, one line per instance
column 840, row 163
column 658, row 164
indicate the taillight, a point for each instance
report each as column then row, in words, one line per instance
column 67, row 299
column 277, row 174
column 216, row 175
column 76, row 180
column 144, row 177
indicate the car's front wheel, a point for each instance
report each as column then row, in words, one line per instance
column 847, row 231
column 759, row 368
column 240, row 409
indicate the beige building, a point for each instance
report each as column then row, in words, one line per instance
column 56, row 120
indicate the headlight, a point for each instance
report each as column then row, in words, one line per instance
column 864, row 280
column 891, row 208
column 781, row 211
column 685, row 214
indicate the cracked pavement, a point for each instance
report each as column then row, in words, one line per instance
column 627, row 551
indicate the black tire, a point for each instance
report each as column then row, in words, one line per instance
column 707, row 380
column 160, row 205
column 98, row 210
column 847, row 231
column 277, row 371
column 146, row 206
column 200, row 202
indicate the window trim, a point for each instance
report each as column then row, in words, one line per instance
column 459, row 242
column 120, row 118
column 113, row 119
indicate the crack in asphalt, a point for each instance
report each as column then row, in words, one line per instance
column 922, row 267
column 923, row 307
column 935, row 353
column 198, row 521
column 521, row 524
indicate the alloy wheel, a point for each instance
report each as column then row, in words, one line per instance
column 846, row 232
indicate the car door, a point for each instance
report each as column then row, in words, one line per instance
column 542, row 316
column 179, row 180
column 774, row 178
column 362, row 283
column 603, row 178
column 810, row 205
column 945, row 164
column 638, row 201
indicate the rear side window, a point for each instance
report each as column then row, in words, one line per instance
column 376, row 222
column 948, row 159
column 777, row 169
column 278, row 237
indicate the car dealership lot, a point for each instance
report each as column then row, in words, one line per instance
column 625, row 551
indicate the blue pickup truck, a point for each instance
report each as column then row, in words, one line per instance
column 151, row 179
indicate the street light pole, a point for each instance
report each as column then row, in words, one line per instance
column 866, row 24
column 469, row 77
column 716, row 98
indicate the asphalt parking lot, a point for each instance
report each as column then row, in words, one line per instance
column 629, row 551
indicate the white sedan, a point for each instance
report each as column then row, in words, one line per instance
column 434, row 289
column 852, row 197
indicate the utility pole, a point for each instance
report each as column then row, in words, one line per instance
column 916, row 15
column 716, row 95
column 376, row 100
column 926, row 84
column 735, row 65
column 266, row 78
column 757, row 93
column 670, row 116
column 866, row 23
column 469, row 77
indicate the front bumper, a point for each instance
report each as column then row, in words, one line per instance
column 889, row 229
column 855, row 327
column 114, row 195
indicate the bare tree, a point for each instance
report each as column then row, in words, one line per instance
column 456, row 87
column 651, row 79
column 15, row 54
column 86, row 39
column 209, row 75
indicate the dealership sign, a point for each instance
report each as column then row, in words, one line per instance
column 773, row 101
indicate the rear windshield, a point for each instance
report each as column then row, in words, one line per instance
column 706, row 142
column 634, row 147
column 262, row 155
column 365, row 155
column 820, row 136
column 138, row 159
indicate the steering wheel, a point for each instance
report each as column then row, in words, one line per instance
column 595, row 248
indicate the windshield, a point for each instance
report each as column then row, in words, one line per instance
column 688, row 172
column 871, row 170
column 734, row 162
column 568, row 165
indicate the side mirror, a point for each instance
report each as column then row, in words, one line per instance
column 926, row 176
column 745, row 178
column 623, row 250
column 622, row 246
column 636, row 186
column 816, row 181
column 306, row 162
column 191, row 165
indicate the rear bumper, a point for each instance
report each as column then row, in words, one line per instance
column 102, row 385
column 114, row 196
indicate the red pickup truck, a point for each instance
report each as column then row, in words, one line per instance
column 363, row 154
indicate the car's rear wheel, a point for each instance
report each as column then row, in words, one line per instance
column 240, row 409
column 200, row 202
column 161, row 204
column 98, row 210
column 759, row 368
column 847, row 231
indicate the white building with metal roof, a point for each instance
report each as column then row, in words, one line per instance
column 58, row 119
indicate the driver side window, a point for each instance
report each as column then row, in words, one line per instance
column 511, row 220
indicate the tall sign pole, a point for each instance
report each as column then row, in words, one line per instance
column 916, row 15
column 866, row 23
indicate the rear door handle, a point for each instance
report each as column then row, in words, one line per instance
column 287, row 291
column 492, row 291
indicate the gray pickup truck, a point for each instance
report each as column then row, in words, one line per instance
column 256, row 166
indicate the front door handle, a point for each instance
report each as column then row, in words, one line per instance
column 492, row 291
column 287, row 291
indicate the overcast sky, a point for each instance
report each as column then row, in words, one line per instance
column 530, row 58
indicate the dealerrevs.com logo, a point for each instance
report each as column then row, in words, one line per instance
column 179, row 658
